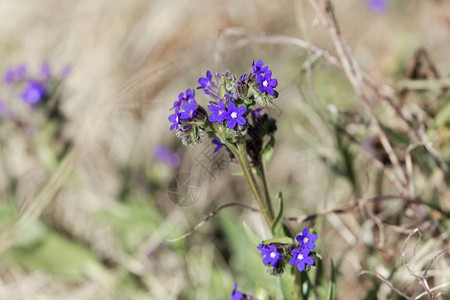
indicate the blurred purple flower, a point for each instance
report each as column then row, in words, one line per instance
column 33, row 92
column 163, row 154
column 65, row 71
column 377, row 6
column 3, row 108
column 46, row 70
column 13, row 75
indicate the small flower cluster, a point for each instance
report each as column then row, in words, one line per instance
column 232, row 101
column 34, row 89
column 301, row 253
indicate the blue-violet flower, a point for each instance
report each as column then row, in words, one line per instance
column 218, row 112
column 272, row 256
column 307, row 239
column 301, row 258
column 234, row 115
column 33, row 93
column 204, row 82
column 175, row 119
column 266, row 83
column 218, row 144
column 259, row 67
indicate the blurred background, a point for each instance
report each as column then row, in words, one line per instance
column 93, row 184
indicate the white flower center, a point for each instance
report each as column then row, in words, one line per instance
column 265, row 83
column 273, row 254
column 300, row 257
column 234, row 116
column 305, row 240
column 177, row 120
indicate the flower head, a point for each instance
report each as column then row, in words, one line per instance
column 259, row 67
column 175, row 119
column 190, row 108
column 307, row 239
column 235, row 294
column 272, row 256
column 218, row 112
column 218, row 144
column 178, row 102
column 266, row 83
column 301, row 258
column 204, row 82
column 33, row 93
column 235, row 115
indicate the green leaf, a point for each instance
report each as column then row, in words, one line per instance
column 277, row 222
column 267, row 152
column 285, row 290
column 332, row 287
column 282, row 240
column 251, row 235
column 443, row 116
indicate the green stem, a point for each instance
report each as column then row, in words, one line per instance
column 262, row 175
column 241, row 154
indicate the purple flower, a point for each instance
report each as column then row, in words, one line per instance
column 259, row 67
column 218, row 112
column 46, row 70
column 301, row 258
column 163, row 154
column 14, row 75
column 272, row 256
column 33, row 93
column 229, row 96
column 218, row 144
column 307, row 239
column 65, row 71
column 178, row 102
column 235, row 294
column 190, row 95
column 204, row 82
column 377, row 6
column 175, row 119
column 234, row 115
column 3, row 108
column 243, row 77
column 190, row 108
column 266, row 83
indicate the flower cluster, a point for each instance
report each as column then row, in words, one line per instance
column 300, row 253
column 34, row 88
column 231, row 102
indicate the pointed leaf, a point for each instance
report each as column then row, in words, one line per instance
column 277, row 222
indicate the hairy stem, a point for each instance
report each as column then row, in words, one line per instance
column 241, row 155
